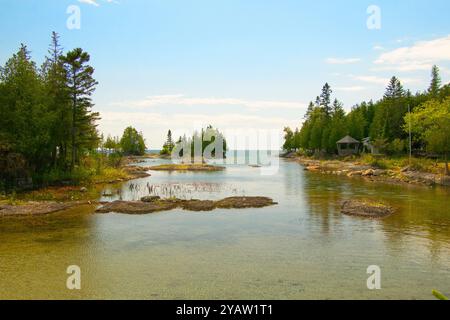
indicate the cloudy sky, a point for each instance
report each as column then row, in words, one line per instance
column 244, row 65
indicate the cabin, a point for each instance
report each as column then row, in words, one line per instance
column 348, row 146
column 369, row 147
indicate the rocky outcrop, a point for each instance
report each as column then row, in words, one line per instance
column 153, row 204
column 38, row 208
column 367, row 209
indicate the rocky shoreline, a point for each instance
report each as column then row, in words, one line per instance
column 370, row 173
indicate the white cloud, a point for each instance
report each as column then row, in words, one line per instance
column 383, row 80
column 350, row 88
column 91, row 2
column 418, row 57
column 95, row 2
column 179, row 99
column 342, row 60
column 154, row 125
column 378, row 48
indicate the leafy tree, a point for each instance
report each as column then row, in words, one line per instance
column 431, row 122
column 288, row 139
column 132, row 142
column 112, row 143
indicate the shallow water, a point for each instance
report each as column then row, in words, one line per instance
column 303, row 248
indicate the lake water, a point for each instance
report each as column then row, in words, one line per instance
column 303, row 248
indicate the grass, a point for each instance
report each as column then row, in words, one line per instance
column 398, row 163
column 82, row 183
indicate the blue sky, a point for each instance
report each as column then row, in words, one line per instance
column 236, row 64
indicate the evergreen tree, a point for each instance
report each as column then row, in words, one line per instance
column 169, row 145
column 325, row 99
column 58, row 101
column 81, row 84
column 394, row 90
column 435, row 84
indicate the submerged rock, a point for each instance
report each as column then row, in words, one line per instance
column 157, row 205
column 150, row 198
column 366, row 209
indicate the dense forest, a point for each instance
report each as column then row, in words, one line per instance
column 48, row 131
column 386, row 122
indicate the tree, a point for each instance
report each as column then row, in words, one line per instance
column 325, row 99
column 24, row 121
column 112, row 144
column 394, row 89
column 132, row 142
column 81, row 85
column 431, row 122
column 57, row 96
column 169, row 145
column 435, row 84
column 288, row 139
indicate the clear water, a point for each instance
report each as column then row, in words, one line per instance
column 303, row 248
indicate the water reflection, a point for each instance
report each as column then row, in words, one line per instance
column 304, row 248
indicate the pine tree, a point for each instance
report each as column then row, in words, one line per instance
column 325, row 99
column 81, row 84
column 435, row 84
column 58, row 100
column 394, row 89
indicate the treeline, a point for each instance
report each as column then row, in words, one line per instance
column 383, row 121
column 48, row 131
column 46, row 113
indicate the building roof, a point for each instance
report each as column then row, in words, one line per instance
column 347, row 139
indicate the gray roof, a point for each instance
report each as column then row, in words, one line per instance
column 347, row 139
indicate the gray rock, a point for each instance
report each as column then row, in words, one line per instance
column 150, row 199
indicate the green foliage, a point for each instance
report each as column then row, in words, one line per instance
column 375, row 161
column 45, row 114
column 384, row 121
column 169, row 145
column 431, row 123
column 439, row 295
column 206, row 142
column 132, row 142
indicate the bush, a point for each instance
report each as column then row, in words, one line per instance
column 396, row 147
column 376, row 162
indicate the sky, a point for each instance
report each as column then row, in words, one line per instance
column 242, row 66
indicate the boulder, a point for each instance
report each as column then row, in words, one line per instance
column 367, row 209
column 368, row 173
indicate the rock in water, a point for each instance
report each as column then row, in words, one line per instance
column 366, row 209
column 150, row 198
